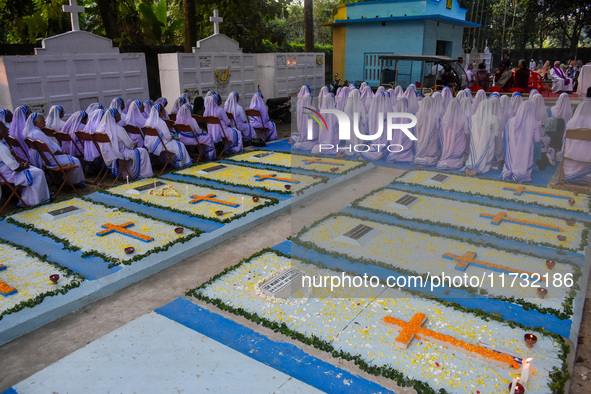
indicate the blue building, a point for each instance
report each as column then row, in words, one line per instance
column 363, row 31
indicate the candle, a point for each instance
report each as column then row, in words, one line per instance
column 242, row 204
column 187, row 189
column 127, row 179
column 525, row 371
column 514, row 385
column 154, row 183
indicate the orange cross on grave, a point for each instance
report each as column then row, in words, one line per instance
column 273, row 177
column 502, row 217
column 211, row 198
column 414, row 328
column 123, row 229
column 467, row 259
column 6, row 289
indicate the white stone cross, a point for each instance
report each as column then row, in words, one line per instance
column 216, row 22
column 74, row 9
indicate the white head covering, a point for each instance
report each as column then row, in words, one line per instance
column 127, row 104
column 54, row 120
column 231, row 104
column 366, row 96
column 540, row 107
column 162, row 101
column 341, row 99
column 410, row 94
column 3, row 113
column 461, row 94
column 305, row 89
column 210, row 105
column 74, row 124
column 93, row 106
column 18, row 124
column 134, row 115
column 447, row 96
column 110, row 152
column 516, row 101
column 117, row 103
column 506, row 108
column 486, row 122
column 30, row 125
column 533, row 93
column 480, row 96
column 184, row 117
column 323, row 91
column 454, row 116
column 439, row 106
column 257, row 103
column 304, row 102
column 428, row 116
column 563, row 108
column 353, row 106
column 94, row 119
column 398, row 91
column 467, row 108
column 177, row 104
column 328, row 102
column 378, row 105
column 582, row 117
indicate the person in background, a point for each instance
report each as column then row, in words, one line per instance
column 482, row 78
column 470, row 74
column 532, row 64
column 522, row 75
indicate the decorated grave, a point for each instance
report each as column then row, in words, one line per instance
column 535, row 283
column 512, row 224
column 253, row 178
column 295, row 161
column 190, row 199
column 115, row 235
column 417, row 342
column 27, row 278
column 519, row 193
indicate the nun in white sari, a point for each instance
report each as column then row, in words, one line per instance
column 122, row 148
column 181, row 157
column 406, row 155
column 33, row 131
column 76, row 122
column 34, row 185
column 94, row 119
column 119, row 105
column 480, row 97
column 54, row 118
column 521, row 133
column 356, row 112
column 366, row 96
column 4, row 116
column 302, row 140
column 231, row 106
column 454, row 127
column 579, row 168
column 516, row 101
column 136, row 118
column 563, row 109
column 184, row 117
column 484, row 126
column 328, row 134
column 428, row 130
column 377, row 121
column 541, row 116
column 19, row 119
column 213, row 108
column 410, row 94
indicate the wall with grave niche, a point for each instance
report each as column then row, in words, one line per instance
column 73, row 70
column 217, row 63
column 283, row 74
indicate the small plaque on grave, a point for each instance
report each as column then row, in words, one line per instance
column 437, row 179
column 63, row 212
column 209, row 170
column 235, row 61
column 404, row 202
column 264, row 154
column 147, row 187
column 358, row 235
column 283, row 285
column 205, row 62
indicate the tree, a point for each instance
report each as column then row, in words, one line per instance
column 190, row 24
column 108, row 13
column 308, row 26
column 569, row 19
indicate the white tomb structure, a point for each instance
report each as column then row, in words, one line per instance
column 73, row 70
column 218, row 63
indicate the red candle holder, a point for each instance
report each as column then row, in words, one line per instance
column 550, row 264
column 570, row 222
column 519, row 389
column 255, row 199
column 542, row 292
column 219, row 213
column 179, row 230
column 54, row 278
column 530, row 340
column 571, row 202
column 561, row 238
column 129, row 250
column 287, row 187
